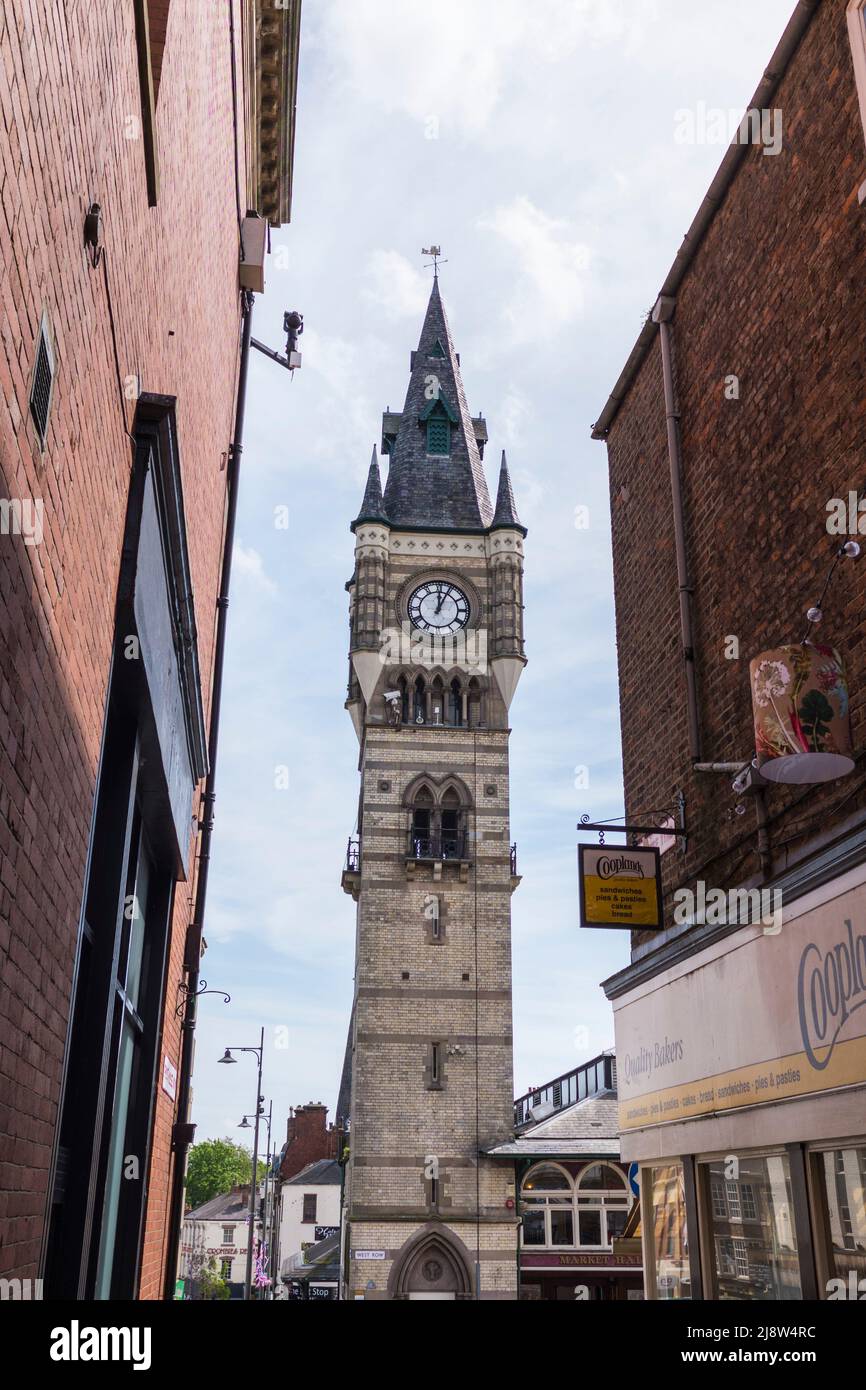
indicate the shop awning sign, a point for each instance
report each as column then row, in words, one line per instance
column 620, row 887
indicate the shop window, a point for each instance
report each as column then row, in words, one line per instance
column 548, row 1202
column 842, row 1187
column 668, row 1236
column 154, row 755
column 763, row 1263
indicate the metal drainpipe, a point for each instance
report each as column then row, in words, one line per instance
column 764, row 852
column 662, row 314
column 182, row 1133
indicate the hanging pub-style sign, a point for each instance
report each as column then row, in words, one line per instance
column 620, row 886
column 800, row 703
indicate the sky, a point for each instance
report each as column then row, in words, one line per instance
column 545, row 148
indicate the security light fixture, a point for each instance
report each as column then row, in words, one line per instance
column 93, row 233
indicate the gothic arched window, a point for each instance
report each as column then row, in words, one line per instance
column 437, row 701
column 422, row 823
column 450, row 815
column 455, row 703
column 474, row 703
column 419, row 703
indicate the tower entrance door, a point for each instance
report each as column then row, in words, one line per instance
column 432, row 1267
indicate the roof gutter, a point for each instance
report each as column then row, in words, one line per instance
column 728, row 169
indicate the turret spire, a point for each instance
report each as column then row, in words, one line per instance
column 435, row 478
column 372, row 507
column 506, row 508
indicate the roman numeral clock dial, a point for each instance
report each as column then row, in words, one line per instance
column 439, row 606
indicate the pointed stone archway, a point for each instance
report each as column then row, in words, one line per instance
column 433, row 1264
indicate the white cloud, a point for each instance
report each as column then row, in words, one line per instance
column 551, row 266
column 555, row 132
column 457, row 62
column 248, row 563
column 395, row 286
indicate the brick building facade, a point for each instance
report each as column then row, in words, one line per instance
column 741, row 412
column 118, row 376
column 308, row 1137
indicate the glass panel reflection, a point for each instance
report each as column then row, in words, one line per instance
column 753, row 1234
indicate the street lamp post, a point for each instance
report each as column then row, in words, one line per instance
column 227, row 1058
column 245, row 1124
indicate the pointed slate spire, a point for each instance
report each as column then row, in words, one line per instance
column 506, row 508
column 433, row 491
column 372, row 507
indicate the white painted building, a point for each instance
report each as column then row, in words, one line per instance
column 218, row 1230
column 309, row 1212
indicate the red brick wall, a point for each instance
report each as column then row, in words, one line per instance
column 774, row 296
column 69, row 97
column 309, row 1138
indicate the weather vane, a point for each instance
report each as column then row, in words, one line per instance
column 435, row 252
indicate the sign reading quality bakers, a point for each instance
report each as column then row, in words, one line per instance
column 620, row 886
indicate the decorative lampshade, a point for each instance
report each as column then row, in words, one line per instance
column 800, row 704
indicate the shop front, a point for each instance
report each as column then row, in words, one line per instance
column 742, row 1095
column 567, row 1276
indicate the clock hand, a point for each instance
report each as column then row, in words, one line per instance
column 441, row 600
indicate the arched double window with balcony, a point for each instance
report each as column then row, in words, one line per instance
column 583, row 1213
column 437, row 823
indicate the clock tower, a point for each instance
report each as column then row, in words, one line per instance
column 436, row 616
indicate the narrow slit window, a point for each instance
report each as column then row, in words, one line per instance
column 43, row 384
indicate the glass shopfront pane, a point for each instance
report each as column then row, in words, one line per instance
column 668, row 1232
column 616, row 1219
column 589, row 1223
column 561, row 1226
column 533, row 1227
column 843, row 1175
column 753, row 1230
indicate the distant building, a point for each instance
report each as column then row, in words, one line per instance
column 217, row 1231
column 309, row 1225
column 308, row 1137
column 573, row 1194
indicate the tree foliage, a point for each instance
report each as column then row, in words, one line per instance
column 216, row 1166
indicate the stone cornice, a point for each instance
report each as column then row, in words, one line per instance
column 271, row 48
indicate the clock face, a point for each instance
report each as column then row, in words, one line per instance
column 439, row 606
